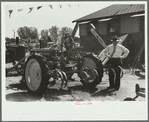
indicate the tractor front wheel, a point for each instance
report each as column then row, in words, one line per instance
column 35, row 74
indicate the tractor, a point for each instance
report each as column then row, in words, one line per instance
column 48, row 66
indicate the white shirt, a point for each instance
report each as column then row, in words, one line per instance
column 120, row 51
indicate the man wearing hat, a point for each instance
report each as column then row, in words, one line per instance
column 115, row 52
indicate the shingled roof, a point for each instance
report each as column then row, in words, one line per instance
column 114, row 10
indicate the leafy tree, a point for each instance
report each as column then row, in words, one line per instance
column 7, row 39
column 27, row 32
column 54, row 32
column 33, row 33
column 20, row 32
column 65, row 30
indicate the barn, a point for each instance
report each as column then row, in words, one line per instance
column 124, row 20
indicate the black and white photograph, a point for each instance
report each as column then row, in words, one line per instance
column 74, row 60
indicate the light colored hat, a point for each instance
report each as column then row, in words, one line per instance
column 115, row 38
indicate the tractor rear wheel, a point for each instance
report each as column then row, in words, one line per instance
column 91, row 62
column 35, row 74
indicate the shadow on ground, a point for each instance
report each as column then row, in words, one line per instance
column 18, row 86
column 104, row 92
column 53, row 94
column 20, row 93
column 83, row 89
column 73, row 93
column 22, row 97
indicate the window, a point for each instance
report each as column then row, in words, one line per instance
column 114, row 25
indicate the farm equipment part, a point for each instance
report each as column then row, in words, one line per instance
column 139, row 92
column 15, row 53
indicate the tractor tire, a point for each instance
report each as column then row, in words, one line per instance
column 35, row 74
column 92, row 62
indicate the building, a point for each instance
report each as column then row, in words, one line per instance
column 124, row 20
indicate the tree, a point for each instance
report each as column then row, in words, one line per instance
column 21, row 33
column 33, row 34
column 65, row 30
column 44, row 34
column 7, row 39
column 27, row 32
column 54, row 32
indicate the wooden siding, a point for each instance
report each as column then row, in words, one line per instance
column 83, row 29
column 90, row 43
column 130, row 25
column 103, row 28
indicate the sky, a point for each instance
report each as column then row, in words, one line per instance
column 46, row 17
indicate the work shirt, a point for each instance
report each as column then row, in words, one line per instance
column 120, row 51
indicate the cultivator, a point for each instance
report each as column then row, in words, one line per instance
column 86, row 74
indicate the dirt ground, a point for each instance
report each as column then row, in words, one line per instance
column 15, row 91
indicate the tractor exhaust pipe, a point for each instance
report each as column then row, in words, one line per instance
column 17, row 40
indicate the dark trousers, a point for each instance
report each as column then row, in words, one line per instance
column 114, row 72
